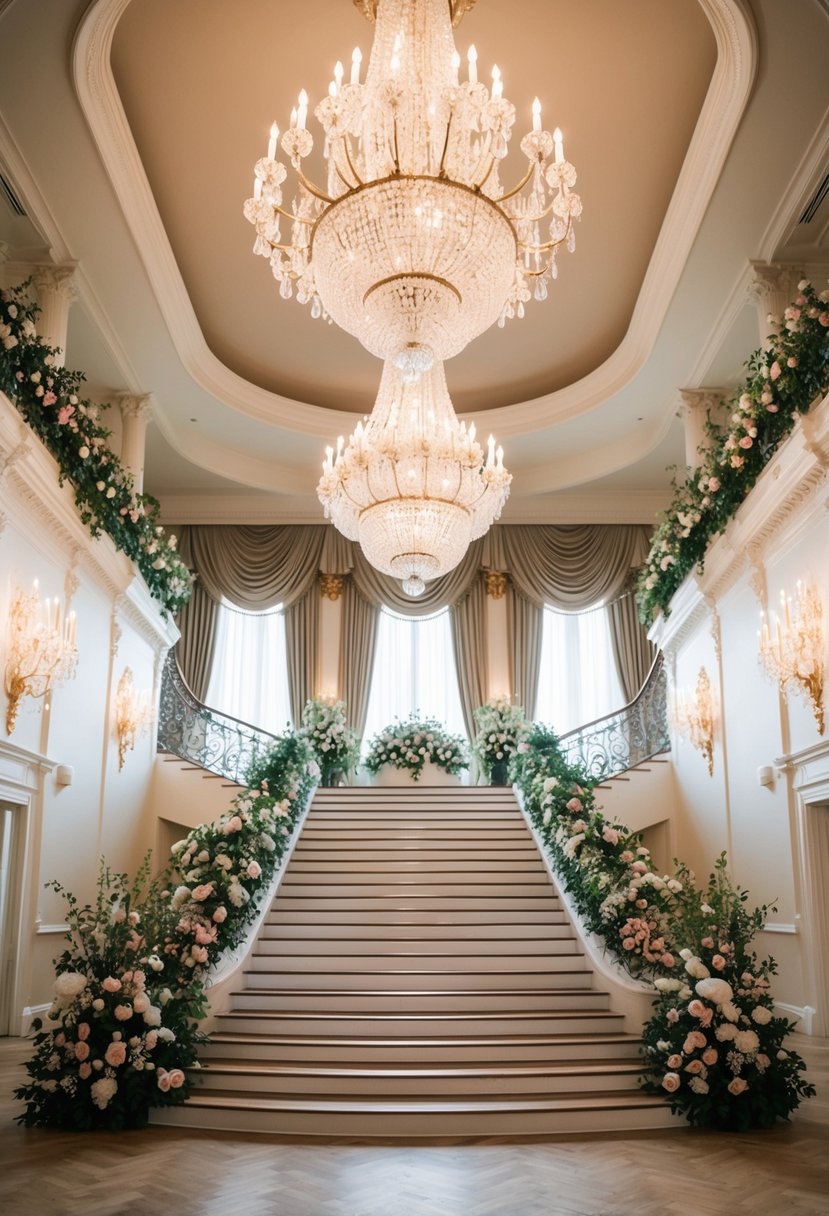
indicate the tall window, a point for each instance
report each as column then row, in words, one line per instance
column 414, row 670
column 249, row 679
column 578, row 680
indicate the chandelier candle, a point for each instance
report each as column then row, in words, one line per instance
column 413, row 245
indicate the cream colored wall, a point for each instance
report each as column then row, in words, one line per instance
column 102, row 810
column 784, row 528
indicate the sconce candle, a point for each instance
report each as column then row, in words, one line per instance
column 133, row 715
column 793, row 654
column 42, row 649
column 694, row 718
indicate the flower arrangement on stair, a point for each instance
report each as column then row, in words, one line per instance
column 121, row 1034
column 782, row 383
column 335, row 746
column 500, row 728
column 409, row 744
column 713, row 1044
column 47, row 397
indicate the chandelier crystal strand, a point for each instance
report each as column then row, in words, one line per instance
column 412, row 484
column 413, row 245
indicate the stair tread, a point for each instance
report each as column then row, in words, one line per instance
column 574, row 1101
column 541, row 1068
column 607, row 1038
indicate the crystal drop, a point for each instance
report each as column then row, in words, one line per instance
column 316, row 308
column 571, row 241
column 414, row 586
column 520, row 309
column 286, row 289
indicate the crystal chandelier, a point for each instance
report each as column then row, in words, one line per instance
column 413, row 486
column 414, row 247
column 41, row 649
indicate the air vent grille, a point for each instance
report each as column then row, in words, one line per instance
column 11, row 198
column 813, row 206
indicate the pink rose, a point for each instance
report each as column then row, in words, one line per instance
column 575, row 805
column 672, row 1015
column 668, row 960
column 746, row 442
column 199, row 953
column 203, row 892
column 628, row 943
column 151, row 1039
column 670, row 1082
column 162, row 1080
column 176, row 1078
column 610, row 835
column 234, row 824
column 694, row 1067
column 791, row 361
column 49, row 398
column 696, row 1009
column 111, row 984
column 123, row 1012
column 718, row 962
column 220, row 915
column 116, row 1054
column 85, row 1071
column 713, row 484
column 708, row 942
column 674, row 1061
column 254, row 870
column 639, row 867
column 824, row 319
column 772, row 408
column 693, row 1041
column 737, row 1086
column 626, row 857
column 774, row 370
column 762, row 1061
column 81, row 1051
column 83, row 1031
column 709, row 1056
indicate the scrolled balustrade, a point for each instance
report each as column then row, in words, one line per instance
column 193, row 731
column 627, row 737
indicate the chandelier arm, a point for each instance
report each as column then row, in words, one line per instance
column 479, row 184
column 396, row 145
column 347, row 150
column 311, row 188
column 517, row 189
column 442, row 166
column 299, row 219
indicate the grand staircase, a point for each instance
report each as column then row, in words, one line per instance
column 416, row 976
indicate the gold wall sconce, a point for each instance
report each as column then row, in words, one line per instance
column 791, row 650
column 694, row 718
column 133, row 715
column 42, row 649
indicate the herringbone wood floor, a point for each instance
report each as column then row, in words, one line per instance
column 784, row 1172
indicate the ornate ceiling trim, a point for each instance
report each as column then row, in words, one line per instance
column 719, row 119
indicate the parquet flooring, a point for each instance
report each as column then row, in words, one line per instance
column 783, row 1172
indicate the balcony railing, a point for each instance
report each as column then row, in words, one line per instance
column 623, row 739
column 205, row 736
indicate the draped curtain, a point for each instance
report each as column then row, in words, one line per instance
column 257, row 567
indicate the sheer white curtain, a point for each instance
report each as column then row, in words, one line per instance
column 578, row 680
column 414, row 670
column 249, row 679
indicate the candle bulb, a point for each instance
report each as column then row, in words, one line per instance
column 302, row 111
column 497, row 83
column 257, row 187
column 536, row 115
column 332, row 88
column 293, row 118
column 356, row 60
column 456, row 63
column 558, row 140
column 338, row 75
column 472, row 63
column 274, row 136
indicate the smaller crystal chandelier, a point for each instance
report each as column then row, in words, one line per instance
column 42, row 649
column 792, row 652
column 412, row 485
column 694, row 718
column 133, row 715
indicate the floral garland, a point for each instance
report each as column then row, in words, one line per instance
column 782, row 383
column 409, row 744
column 121, row 1035
column 501, row 727
column 716, row 1048
column 47, row 398
column 325, row 726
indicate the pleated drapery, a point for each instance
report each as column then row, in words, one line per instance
column 256, row 567
column 632, row 652
column 358, row 644
column 468, row 619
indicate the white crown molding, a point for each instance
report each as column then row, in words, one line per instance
column 719, row 118
column 788, row 494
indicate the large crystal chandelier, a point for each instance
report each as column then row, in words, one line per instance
column 414, row 247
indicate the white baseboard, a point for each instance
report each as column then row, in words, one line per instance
column 802, row 1014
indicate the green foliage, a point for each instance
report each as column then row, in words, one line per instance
column 325, row 727
column 663, row 929
column 409, row 744
column 781, row 384
column 48, row 399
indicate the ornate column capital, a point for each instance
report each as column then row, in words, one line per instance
column 135, row 414
column 331, row 586
column 771, row 286
column 495, row 583
column 135, row 405
column 695, row 407
column 56, row 279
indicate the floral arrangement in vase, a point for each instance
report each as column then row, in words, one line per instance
column 409, row 744
column 335, row 745
column 500, row 728
column 48, row 398
column 121, row 1036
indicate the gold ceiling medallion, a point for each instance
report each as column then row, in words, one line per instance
column 457, row 8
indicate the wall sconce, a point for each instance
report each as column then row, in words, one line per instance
column 791, row 652
column 133, row 715
column 694, row 718
column 42, row 649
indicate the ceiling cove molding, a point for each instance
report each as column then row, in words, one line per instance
column 808, row 173
column 722, row 110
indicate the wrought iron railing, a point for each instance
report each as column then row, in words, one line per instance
column 207, row 737
column 622, row 740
